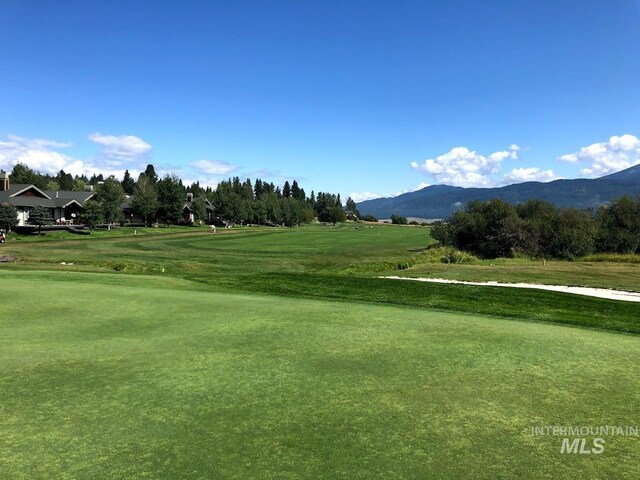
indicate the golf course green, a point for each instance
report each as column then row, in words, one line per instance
column 278, row 353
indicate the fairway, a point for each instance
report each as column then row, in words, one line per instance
column 278, row 353
column 149, row 379
column 339, row 263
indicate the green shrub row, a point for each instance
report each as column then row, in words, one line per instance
column 537, row 228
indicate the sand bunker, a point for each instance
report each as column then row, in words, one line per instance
column 590, row 292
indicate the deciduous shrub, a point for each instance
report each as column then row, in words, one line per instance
column 539, row 229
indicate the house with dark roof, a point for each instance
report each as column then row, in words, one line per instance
column 64, row 205
column 188, row 210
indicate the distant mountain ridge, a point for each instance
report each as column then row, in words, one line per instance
column 440, row 201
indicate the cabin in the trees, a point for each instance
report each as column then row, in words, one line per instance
column 65, row 206
column 188, row 215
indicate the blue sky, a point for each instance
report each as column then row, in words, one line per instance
column 364, row 98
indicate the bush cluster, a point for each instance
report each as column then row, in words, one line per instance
column 537, row 228
column 398, row 220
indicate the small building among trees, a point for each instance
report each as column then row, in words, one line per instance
column 195, row 209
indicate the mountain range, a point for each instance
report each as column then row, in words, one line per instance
column 440, row 201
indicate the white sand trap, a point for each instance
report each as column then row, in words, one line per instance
column 590, row 292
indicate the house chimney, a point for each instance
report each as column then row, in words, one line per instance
column 4, row 181
column 56, row 194
column 189, row 197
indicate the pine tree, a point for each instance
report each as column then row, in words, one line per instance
column 64, row 180
column 258, row 189
column 351, row 207
column 144, row 201
column 128, row 183
column 286, row 189
column 151, row 174
column 39, row 216
column 171, row 196
column 92, row 214
column 296, row 192
column 111, row 197
column 8, row 216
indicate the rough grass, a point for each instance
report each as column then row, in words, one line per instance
column 588, row 272
column 612, row 258
column 121, row 376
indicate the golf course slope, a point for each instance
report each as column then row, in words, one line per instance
column 115, row 376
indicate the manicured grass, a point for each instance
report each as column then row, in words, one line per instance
column 342, row 264
column 124, row 376
column 279, row 353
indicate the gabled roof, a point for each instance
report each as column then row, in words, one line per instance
column 70, row 202
column 67, row 195
column 64, row 198
column 5, row 195
column 20, row 189
column 207, row 206
column 47, row 198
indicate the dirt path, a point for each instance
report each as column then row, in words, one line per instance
column 590, row 292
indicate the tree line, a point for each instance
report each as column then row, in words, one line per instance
column 162, row 199
column 266, row 204
column 494, row 228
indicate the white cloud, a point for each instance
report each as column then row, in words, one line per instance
column 43, row 156
column 532, row 174
column 203, row 182
column 37, row 154
column 124, row 147
column 188, row 176
column 498, row 157
column 213, row 167
column 364, row 196
column 618, row 153
column 422, row 185
column 465, row 168
column 39, row 142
